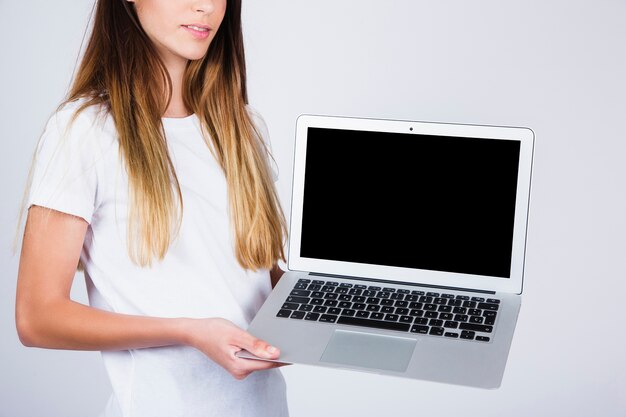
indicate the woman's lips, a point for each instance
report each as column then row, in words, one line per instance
column 198, row 34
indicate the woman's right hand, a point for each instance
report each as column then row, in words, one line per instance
column 220, row 339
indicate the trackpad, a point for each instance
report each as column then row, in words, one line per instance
column 369, row 350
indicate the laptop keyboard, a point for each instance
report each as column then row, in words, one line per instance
column 432, row 313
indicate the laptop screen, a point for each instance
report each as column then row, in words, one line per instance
column 437, row 203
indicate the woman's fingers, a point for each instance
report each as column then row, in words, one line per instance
column 256, row 346
column 220, row 339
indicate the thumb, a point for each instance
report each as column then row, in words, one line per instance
column 259, row 347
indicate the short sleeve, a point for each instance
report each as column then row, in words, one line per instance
column 261, row 126
column 64, row 175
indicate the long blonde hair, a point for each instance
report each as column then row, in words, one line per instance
column 122, row 71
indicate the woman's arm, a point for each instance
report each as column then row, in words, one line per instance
column 47, row 317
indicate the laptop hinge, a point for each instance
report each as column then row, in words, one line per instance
column 410, row 284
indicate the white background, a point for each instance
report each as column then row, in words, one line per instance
column 558, row 67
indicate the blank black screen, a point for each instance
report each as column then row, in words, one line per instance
column 408, row 200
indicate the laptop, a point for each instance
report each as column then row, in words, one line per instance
column 406, row 250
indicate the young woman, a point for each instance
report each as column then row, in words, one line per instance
column 153, row 176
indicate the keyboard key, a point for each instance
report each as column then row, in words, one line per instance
column 369, row 293
column 430, row 307
column 455, row 303
column 482, row 338
column 474, row 312
column 328, row 288
column 444, row 309
column 435, row 322
column 348, row 312
column 416, row 292
column 305, row 307
column 316, row 301
column 358, row 306
column 341, row 290
column 345, row 285
column 383, row 294
column 488, row 306
column 355, row 291
column 386, row 302
column 469, row 304
column 344, row 304
column 402, row 311
column 476, row 319
column 401, row 303
column 301, row 286
column 416, row 313
column 317, row 294
column 317, row 281
column 489, row 313
column 419, row 329
column 402, row 291
column 328, row 318
column 416, row 305
column 373, row 307
column 451, row 324
column 462, row 297
column 334, row 310
column 479, row 299
column 451, row 334
column 432, row 294
column 314, row 287
column 374, row 288
column 460, row 317
column 440, row 300
column 389, row 289
column 459, row 310
column 333, row 283
column 299, row 300
column 425, row 299
column 446, row 316
column 330, row 296
column 387, row 309
column 436, row 331
column 406, row 319
column 493, row 301
column 283, row 313
column 421, row 320
column 358, row 299
column 290, row 306
column 344, row 297
column 397, row 296
column 330, row 303
column 411, row 298
column 467, row 335
column 300, row 293
column 373, row 300
column 431, row 314
column 447, row 295
column 298, row 315
column 490, row 321
column 476, row 327
column 392, row 317
column 360, row 286
column 319, row 309
column 378, row 324
column 304, row 280
column 363, row 314
column 377, row 316
column 312, row 316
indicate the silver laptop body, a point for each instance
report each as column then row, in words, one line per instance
column 406, row 252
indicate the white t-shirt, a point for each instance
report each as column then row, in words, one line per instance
column 82, row 174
